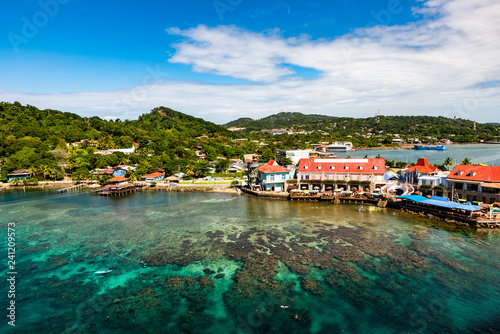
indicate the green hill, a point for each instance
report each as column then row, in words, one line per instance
column 281, row 120
column 461, row 129
column 39, row 139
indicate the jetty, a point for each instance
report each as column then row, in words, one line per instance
column 72, row 188
column 435, row 207
column 118, row 189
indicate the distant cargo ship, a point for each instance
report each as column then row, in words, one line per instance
column 440, row 147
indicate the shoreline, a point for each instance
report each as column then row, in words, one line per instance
column 410, row 146
column 209, row 187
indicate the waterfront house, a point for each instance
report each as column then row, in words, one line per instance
column 153, row 177
column 121, row 170
column 326, row 174
column 475, row 183
column 19, row 174
column 273, row 177
column 421, row 168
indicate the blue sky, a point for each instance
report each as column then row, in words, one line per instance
column 224, row 59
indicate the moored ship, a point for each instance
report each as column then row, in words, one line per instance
column 440, row 147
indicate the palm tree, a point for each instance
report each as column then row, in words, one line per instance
column 447, row 162
column 36, row 171
column 15, row 182
column 466, row 161
column 69, row 166
column 133, row 177
column 189, row 170
column 47, row 171
column 223, row 165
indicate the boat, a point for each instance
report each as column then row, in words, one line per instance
column 339, row 146
column 440, row 147
column 103, row 271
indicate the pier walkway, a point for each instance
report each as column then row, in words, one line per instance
column 72, row 188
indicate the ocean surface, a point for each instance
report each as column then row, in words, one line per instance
column 478, row 153
column 227, row 263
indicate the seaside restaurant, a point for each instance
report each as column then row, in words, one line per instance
column 475, row 183
column 324, row 175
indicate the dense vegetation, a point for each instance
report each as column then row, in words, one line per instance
column 40, row 140
column 458, row 130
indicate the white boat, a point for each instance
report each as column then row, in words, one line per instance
column 339, row 146
column 103, row 271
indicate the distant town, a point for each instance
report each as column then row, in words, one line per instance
column 168, row 150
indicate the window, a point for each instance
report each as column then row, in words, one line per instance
column 319, row 167
column 360, row 167
column 306, row 177
column 283, row 176
column 332, row 167
column 306, row 166
column 346, row 167
column 375, row 167
column 271, row 177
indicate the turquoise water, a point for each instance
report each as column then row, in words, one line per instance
column 225, row 263
column 478, row 153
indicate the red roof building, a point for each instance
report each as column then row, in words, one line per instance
column 485, row 176
column 414, row 172
column 475, row 183
column 118, row 179
column 347, row 170
column 273, row 167
column 422, row 167
column 153, row 177
column 315, row 168
column 272, row 177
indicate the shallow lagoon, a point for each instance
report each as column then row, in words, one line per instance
column 225, row 263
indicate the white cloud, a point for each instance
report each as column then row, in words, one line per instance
column 432, row 66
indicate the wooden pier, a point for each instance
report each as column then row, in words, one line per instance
column 72, row 188
column 117, row 191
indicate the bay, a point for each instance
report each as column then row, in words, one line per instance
column 478, row 153
column 226, row 263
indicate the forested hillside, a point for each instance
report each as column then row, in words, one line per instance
column 39, row 139
column 461, row 130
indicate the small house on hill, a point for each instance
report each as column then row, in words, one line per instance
column 153, row 177
column 121, row 170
